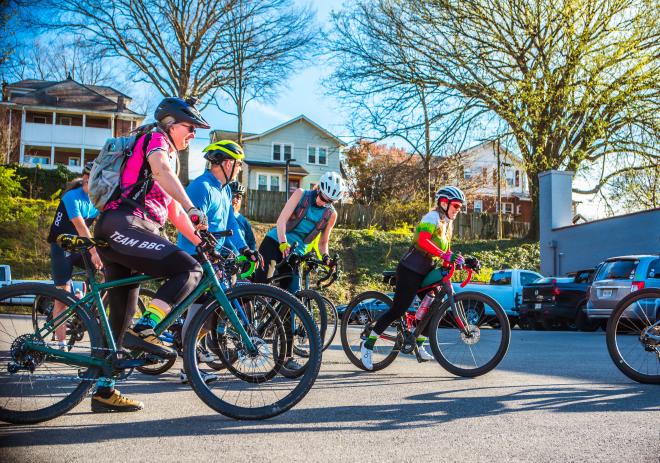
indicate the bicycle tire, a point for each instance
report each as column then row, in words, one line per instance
column 80, row 391
column 314, row 303
column 333, row 322
column 614, row 324
column 439, row 324
column 348, row 317
column 280, row 403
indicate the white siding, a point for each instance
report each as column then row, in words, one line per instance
column 300, row 134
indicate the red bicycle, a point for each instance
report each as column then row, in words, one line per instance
column 469, row 332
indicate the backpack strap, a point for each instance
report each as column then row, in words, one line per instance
column 320, row 225
column 300, row 211
column 136, row 197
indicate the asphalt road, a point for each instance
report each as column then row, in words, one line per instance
column 556, row 397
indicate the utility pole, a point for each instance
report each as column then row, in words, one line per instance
column 499, row 193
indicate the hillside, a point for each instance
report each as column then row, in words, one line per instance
column 364, row 253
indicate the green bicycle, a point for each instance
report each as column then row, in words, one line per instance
column 39, row 381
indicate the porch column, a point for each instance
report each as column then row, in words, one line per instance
column 52, row 154
column 22, row 153
column 52, row 146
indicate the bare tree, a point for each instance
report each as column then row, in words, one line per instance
column 433, row 121
column 48, row 58
column 575, row 82
column 175, row 45
column 266, row 40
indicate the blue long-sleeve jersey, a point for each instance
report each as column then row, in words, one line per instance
column 211, row 197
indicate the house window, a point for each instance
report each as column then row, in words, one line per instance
column 311, row 155
column 518, row 209
column 467, row 174
column 494, row 176
column 323, row 156
column 517, row 178
column 282, row 152
column 507, row 208
column 74, row 161
column 317, row 155
column 37, row 119
column 478, row 206
column 484, row 173
column 64, row 120
column 100, row 123
column 509, row 178
column 40, row 160
column 69, row 119
column 274, row 183
column 262, row 182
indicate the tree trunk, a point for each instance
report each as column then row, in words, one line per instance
column 183, row 166
column 534, row 229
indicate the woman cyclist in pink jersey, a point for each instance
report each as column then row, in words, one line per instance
column 131, row 226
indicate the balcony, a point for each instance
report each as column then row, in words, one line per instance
column 64, row 135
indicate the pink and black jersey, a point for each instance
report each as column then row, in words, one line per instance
column 156, row 199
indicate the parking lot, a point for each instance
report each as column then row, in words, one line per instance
column 555, row 397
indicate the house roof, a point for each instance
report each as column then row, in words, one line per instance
column 254, row 136
column 69, row 94
column 293, row 168
column 506, row 152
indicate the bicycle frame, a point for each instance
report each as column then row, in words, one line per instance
column 93, row 298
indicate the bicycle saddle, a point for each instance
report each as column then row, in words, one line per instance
column 75, row 243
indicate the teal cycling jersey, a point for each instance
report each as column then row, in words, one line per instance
column 213, row 199
column 313, row 215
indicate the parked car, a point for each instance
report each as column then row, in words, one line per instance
column 505, row 287
column 617, row 277
column 553, row 301
column 6, row 280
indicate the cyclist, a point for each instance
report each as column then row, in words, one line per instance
column 74, row 215
column 307, row 214
column 432, row 241
column 237, row 192
column 211, row 194
column 131, row 229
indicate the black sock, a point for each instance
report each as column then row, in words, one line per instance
column 105, row 392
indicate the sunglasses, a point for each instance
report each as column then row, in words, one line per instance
column 457, row 206
column 191, row 128
column 325, row 199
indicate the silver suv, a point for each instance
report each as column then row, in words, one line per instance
column 619, row 276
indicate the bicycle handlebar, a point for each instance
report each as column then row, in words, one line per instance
column 452, row 269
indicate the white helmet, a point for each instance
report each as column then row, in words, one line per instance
column 332, row 185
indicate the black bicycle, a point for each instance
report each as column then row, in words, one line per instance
column 633, row 336
column 469, row 332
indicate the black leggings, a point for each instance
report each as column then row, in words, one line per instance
column 136, row 247
column 407, row 285
column 270, row 251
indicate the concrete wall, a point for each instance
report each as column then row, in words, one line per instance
column 566, row 247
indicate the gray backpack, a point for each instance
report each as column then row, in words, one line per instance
column 104, row 179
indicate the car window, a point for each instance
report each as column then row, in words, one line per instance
column 617, row 270
column 527, row 278
column 654, row 269
column 3, row 274
column 583, row 277
column 501, row 278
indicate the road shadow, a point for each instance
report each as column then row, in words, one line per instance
column 418, row 411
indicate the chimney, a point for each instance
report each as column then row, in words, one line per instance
column 121, row 104
column 5, row 91
column 555, row 199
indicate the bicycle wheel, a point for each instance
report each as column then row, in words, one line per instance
column 633, row 336
column 315, row 305
column 333, row 322
column 356, row 325
column 37, row 387
column 234, row 396
column 160, row 367
column 466, row 344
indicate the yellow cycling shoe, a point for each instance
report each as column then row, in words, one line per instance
column 115, row 403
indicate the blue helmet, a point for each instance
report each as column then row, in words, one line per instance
column 450, row 193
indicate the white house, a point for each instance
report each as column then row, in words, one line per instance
column 67, row 123
column 309, row 149
column 480, row 163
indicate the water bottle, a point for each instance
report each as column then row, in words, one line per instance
column 424, row 305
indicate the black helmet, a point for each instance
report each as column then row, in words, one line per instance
column 236, row 189
column 182, row 111
column 88, row 167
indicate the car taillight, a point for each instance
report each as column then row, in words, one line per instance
column 555, row 290
column 636, row 286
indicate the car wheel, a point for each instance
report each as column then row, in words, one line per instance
column 524, row 323
column 582, row 322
